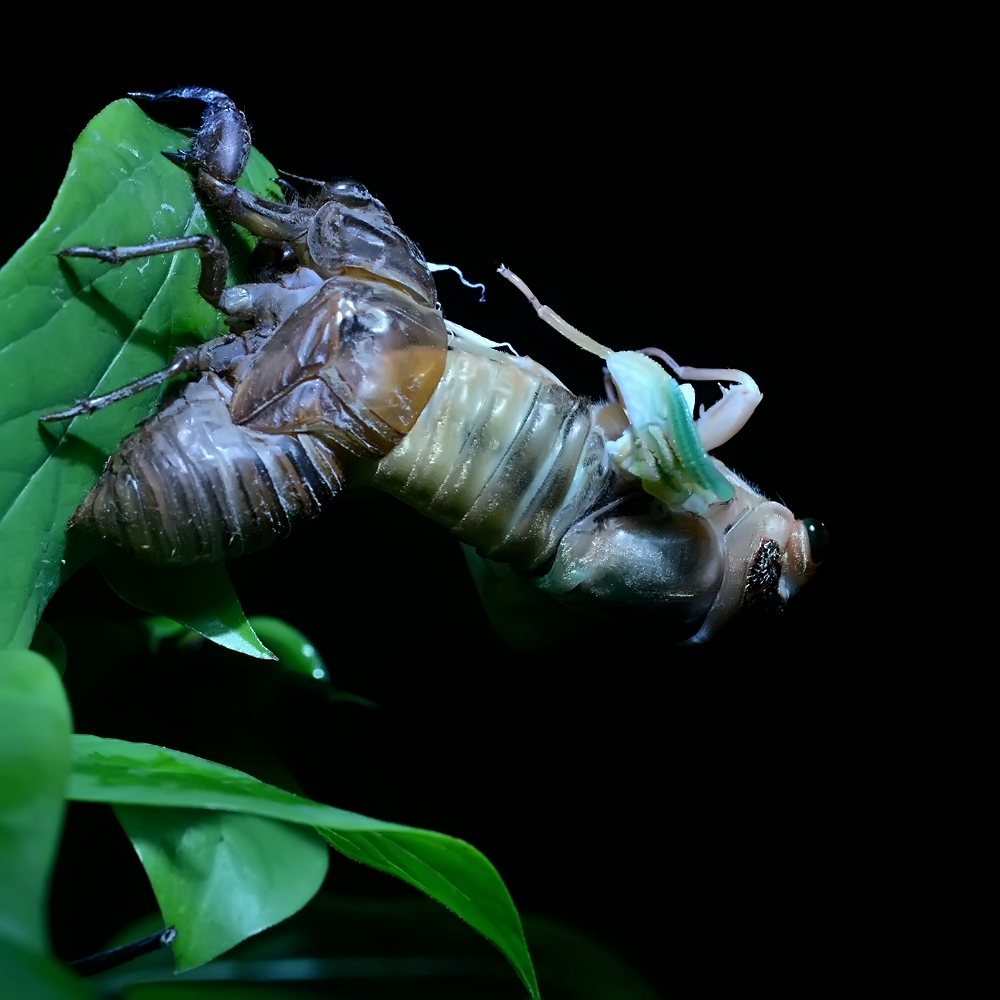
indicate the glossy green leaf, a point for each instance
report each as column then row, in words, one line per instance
column 220, row 877
column 292, row 647
column 69, row 329
column 34, row 765
column 296, row 653
column 448, row 870
column 159, row 629
column 200, row 598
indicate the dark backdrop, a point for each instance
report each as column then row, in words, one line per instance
column 696, row 809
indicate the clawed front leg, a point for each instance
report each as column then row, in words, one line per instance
column 217, row 159
column 222, row 145
column 211, row 284
column 663, row 446
column 727, row 416
column 716, row 425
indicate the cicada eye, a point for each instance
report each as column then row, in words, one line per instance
column 763, row 577
column 819, row 539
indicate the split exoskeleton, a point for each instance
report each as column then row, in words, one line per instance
column 343, row 368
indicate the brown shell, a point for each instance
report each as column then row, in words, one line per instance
column 231, row 466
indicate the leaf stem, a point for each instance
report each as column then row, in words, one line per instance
column 101, row 961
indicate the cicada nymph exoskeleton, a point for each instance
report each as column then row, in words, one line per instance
column 344, row 365
column 259, row 444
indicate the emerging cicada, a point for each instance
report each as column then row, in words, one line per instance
column 341, row 368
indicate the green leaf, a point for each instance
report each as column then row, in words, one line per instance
column 200, row 598
column 27, row 974
column 48, row 642
column 159, row 630
column 296, row 654
column 448, row 870
column 221, row 877
column 34, row 765
column 293, row 648
column 70, row 328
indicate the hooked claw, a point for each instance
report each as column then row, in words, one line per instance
column 726, row 416
column 213, row 98
column 222, row 146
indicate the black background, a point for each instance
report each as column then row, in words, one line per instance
column 702, row 811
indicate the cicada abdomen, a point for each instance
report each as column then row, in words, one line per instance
column 504, row 456
column 245, row 453
column 192, row 485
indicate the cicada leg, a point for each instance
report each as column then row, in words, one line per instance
column 716, row 425
column 222, row 144
column 185, row 360
column 211, row 285
column 217, row 158
column 212, row 251
column 726, row 417
column 663, row 446
column 550, row 316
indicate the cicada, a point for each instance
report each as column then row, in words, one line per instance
column 339, row 367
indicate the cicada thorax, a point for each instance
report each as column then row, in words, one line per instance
column 242, row 456
column 351, row 231
column 354, row 366
column 340, row 229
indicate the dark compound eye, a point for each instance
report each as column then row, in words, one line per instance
column 763, row 577
column 819, row 539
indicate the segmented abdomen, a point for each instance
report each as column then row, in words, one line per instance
column 234, row 463
column 505, row 458
column 191, row 486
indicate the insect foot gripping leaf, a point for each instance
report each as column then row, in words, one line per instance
column 339, row 367
column 70, row 329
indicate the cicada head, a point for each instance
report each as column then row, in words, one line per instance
column 769, row 554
